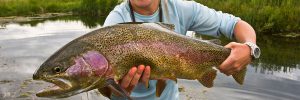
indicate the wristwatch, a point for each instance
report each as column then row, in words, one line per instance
column 255, row 51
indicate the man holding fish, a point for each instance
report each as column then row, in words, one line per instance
column 186, row 16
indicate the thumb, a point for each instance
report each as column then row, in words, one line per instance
column 230, row 45
column 225, row 66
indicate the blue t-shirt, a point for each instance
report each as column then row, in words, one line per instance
column 186, row 16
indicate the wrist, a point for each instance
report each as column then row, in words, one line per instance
column 254, row 50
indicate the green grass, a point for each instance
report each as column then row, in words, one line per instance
column 266, row 16
column 31, row 7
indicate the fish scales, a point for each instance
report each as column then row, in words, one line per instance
column 159, row 47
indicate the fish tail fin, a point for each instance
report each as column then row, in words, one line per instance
column 239, row 77
column 208, row 78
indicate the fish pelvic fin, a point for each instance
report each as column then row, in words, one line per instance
column 160, row 86
column 239, row 77
column 208, row 78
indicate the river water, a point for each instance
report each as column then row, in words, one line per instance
column 25, row 46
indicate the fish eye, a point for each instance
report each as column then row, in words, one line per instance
column 57, row 69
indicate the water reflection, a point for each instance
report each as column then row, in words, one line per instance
column 26, row 47
column 278, row 54
column 88, row 21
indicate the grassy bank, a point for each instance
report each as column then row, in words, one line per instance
column 266, row 16
column 31, row 7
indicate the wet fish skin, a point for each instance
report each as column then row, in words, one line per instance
column 75, row 68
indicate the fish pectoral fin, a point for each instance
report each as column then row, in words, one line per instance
column 160, row 86
column 117, row 89
column 105, row 92
column 239, row 77
column 208, row 78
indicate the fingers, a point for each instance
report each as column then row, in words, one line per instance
column 146, row 76
column 225, row 67
column 134, row 75
column 128, row 77
column 137, row 75
column 131, row 79
column 239, row 57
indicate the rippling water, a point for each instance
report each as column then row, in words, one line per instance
column 23, row 47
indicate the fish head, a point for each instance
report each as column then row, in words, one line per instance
column 74, row 75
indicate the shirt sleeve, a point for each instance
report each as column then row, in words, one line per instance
column 204, row 20
column 113, row 18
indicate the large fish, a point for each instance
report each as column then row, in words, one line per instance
column 94, row 60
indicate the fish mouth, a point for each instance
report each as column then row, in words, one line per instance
column 60, row 88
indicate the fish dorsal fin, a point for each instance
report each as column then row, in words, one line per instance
column 168, row 26
column 164, row 25
column 132, row 23
column 215, row 41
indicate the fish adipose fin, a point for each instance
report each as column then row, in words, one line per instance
column 207, row 79
column 239, row 77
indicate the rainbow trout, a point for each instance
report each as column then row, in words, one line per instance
column 94, row 60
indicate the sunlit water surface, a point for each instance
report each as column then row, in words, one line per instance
column 24, row 47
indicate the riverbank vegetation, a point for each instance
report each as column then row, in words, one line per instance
column 266, row 16
column 78, row 7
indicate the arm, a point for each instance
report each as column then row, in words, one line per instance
column 206, row 21
column 215, row 23
column 243, row 32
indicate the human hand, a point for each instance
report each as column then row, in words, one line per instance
column 131, row 79
column 238, row 59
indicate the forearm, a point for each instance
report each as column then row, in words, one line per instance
column 243, row 32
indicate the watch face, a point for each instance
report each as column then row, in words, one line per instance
column 256, row 53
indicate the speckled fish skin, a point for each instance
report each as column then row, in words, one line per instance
column 170, row 55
